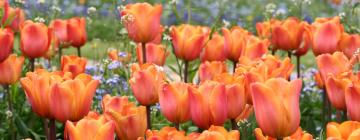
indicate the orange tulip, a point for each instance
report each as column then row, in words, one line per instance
column 166, row 133
column 188, row 40
column 255, row 47
column 123, row 57
column 6, row 43
column 352, row 98
column 145, row 83
column 349, row 44
column 348, row 130
column 235, row 92
column 289, row 34
column 335, row 64
column 71, row 99
column 35, row 39
column 276, row 104
column 235, row 41
column 208, row 104
column 216, row 133
column 74, row 64
column 60, row 29
column 214, row 49
column 5, row 7
column 174, row 102
column 54, row 47
column 130, row 121
column 142, row 21
column 335, row 89
column 155, row 53
column 208, row 70
column 337, row 2
column 18, row 17
column 264, row 29
column 11, row 69
column 90, row 129
column 37, row 86
column 326, row 35
column 245, row 114
column 298, row 135
column 76, row 31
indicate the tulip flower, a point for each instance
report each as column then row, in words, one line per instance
column 216, row 133
column 288, row 35
column 276, row 104
column 76, row 31
column 174, row 102
column 130, row 121
column 155, row 53
column 326, row 35
column 4, row 5
column 214, row 49
column 74, row 64
column 60, row 29
column 90, row 129
column 10, row 69
column 208, row 104
column 37, row 86
column 348, row 130
column 335, row 64
column 71, row 99
column 208, row 70
column 352, row 98
column 255, row 48
column 165, row 133
column 17, row 18
column 145, row 83
column 245, row 114
column 264, row 29
column 188, row 40
column 298, row 135
column 235, row 41
column 349, row 44
column 35, row 39
column 6, row 43
column 142, row 21
column 123, row 57
column 335, row 89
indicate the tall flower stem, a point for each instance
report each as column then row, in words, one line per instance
column 326, row 110
column 79, row 51
column 234, row 66
column 289, row 54
column 46, row 129
column 52, row 129
column 32, row 64
column 148, row 116
column 233, row 124
column 186, row 71
column 60, row 54
column 298, row 64
column 177, row 126
column 10, row 108
column 143, row 48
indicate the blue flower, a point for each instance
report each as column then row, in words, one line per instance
column 122, row 54
column 114, row 65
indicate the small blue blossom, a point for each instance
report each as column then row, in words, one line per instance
column 122, row 54
column 90, row 69
column 114, row 65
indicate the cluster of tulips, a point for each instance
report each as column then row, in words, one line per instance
column 259, row 82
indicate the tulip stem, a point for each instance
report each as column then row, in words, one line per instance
column 60, row 54
column 326, row 108
column 186, row 71
column 32, row 64
column 143, row 45
column 177, row 126
column 273, row 52
column 79, row 51
column 233, row 124
column 234, row 66
column 344, row 117
column 298, row 66
column 148, row 116
column 46, row 129
column 10, row 107
column 289, row 54
column 52, row 129
column 338, row 116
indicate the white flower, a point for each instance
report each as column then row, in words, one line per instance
column 123, row 31
column 342, row 15
column 167, row 37
column 308, row 2
column 270, row 8
column 121, row 8
column 41, row 1
column 55, row 8
column 9, row 114
column 39, row 19
column 91, row 10
column 173, row 2
column 226, row 23
column 128, row 18
column 20, row 1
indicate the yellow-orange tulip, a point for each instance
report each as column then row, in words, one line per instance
column 6, row 43
column 335, row 64
column 142, row 21
column 188, row 40
column 289, row 34
column 208, row 104
column 174, row 102
column 349, row 44
column 276, row 104
column 298, row 135
column 10, row 69
column 255, row 47
column 130, row 121
column 90, row 128
column 35, row 39
column 37, row 86
column 352, row 99
column 74, row 64
column 76, row 31
column 245, row 114
column 60, row 30
column 17, row 16
column 349, row 130
column 264, row 29
column 235, row 41
column 214, row 49
column 208, row 70
column 71, row 99
column 335, row 89
column 216, row 133
column 155, row 53
column 235, row 92
column 326, row 35
column 145, row 83
column 166, row 133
